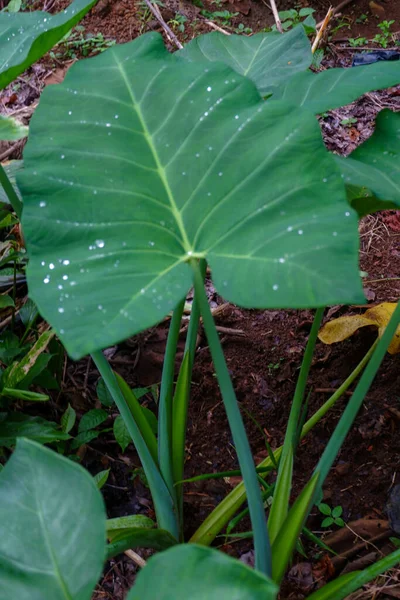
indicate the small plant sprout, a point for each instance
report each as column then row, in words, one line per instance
column 332, row 515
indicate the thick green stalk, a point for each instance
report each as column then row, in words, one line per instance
column 165, row 402
column 222, row 514
column 194, row 322
column 256, row 508
column 163, row 503
column 10, row 192
column 280, row 502
column 346, row 421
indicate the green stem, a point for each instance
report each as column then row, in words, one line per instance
column 10, row 192
column 257, row 514
column 163, row 503
column 280, row 502
column 165, row 403
column 194, row 322
column 225, row 511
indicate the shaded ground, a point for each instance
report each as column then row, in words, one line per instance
column 263, row 348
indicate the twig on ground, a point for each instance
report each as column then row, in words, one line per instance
column 170, row 34
column 217, row 27
column 138, row 560
column 337, row 9
column 9, row 151
column 276, row 16
column 322, row 29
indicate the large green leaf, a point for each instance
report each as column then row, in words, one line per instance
column 15, row 424
column 199, row 573
column 329, row 89
column 375, row 164
column 268, row 59
column 52, row 527
column 135, row 165
column 25, row 37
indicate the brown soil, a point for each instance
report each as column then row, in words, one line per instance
column 265, row 354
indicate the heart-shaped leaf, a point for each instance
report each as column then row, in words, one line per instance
column 375, row 164
column 329, row 89
column 199, row 573
column 25, row 37
column 52, row 527
column 147, row 162
column 268, row 59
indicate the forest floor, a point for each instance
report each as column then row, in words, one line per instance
column 263, row 348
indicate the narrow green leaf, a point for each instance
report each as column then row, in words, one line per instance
column 93, row 418
column 28, row 313
column 26, row 395
column 344, row 585
column 284, row 544
column 121, row 433
column 101, row 478
column 26, row 37
column 280, row 502
column 319, row 92
column 10, row 129
column 21, row 369
column 179, row 420
column 52, row 522
column 199, row 573
column 268, row 59
column 68, row 419
column 142, row 420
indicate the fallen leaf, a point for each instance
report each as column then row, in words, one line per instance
column 377, row 316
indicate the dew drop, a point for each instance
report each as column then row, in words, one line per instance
column 100, row 243
column 275, row 287
column 60, row 309
column 51, row 266
column 65, row 277
column 347, row 214
column 42, row 204
column 300, row 232
column 65, row 262
column 281, row 260
column 220, row 174
column 209, row 88
column 46, row 280
column 62, row 156
column 151, row 243
column 43, row 263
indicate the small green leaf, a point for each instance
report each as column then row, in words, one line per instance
column 6, row 301
column 28, row 313
column 324, row 509
column 14, row 6
column 327, row 522
column 339, row 522
column 199, row 573
column 52, row 524
column 11, row 130
column 101, row 478
column 68, row 419
column 84, row 438
column 337, row 511
column 93, row 418
column 103, row 394
column 121, row 433
column 16, row 424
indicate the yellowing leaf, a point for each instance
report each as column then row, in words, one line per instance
column 343, row 327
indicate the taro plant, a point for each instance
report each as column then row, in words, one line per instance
column 221, row 173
